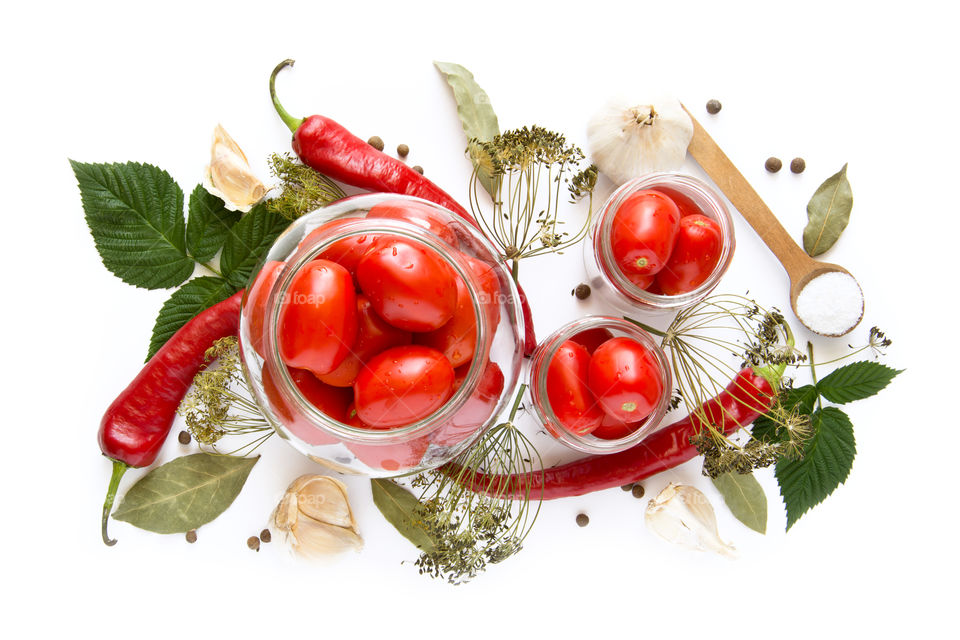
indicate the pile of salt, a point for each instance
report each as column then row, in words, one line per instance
column 831, row 304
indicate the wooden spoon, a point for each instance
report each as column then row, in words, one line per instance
column 800, row 267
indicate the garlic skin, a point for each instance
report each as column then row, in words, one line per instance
column 628, row 139
column 315, row 519
column 682, row 515
column 229, row 176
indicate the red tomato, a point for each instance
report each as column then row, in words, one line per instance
column 644, row 282
column 457, row 339
column 487, row 283
column 644, row 228
column 684, row 203
column 402, row 385
column 478, row 408
column 613, row 429
column 418, row 213
column 390, row 457
column 625, row 379
column 570, row 398
column 409, row 285
column 318, row 321
column 333, row 401
column 255, row 305
column 592, row 338
column 290, row 416
column 374, row 334
column 695, row 254
column 347, row 252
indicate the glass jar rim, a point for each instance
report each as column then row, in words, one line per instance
column 545, row 353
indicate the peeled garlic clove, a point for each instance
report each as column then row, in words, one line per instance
column 628, row 138
column 315, row 518
column 229, row 176
column 682, row 515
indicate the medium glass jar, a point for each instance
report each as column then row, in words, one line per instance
column 590, row 443
column 607, row 279
column 484, row 384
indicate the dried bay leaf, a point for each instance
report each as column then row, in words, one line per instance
column 185, row 493
column 745, row 499
column 473, row 105
column 828, row 213
column 400, row 508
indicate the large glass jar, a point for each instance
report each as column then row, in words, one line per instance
column 484, row 384
column 606, row 278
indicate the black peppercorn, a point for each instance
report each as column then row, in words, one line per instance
column 797, row 165
column 582, row 291
column 253, row 543
column 637, row 491
column 183, row 437
column 627, row 487
column 713, row 106
column 376, row 142
column 773, row 164
column 191, row 536
column 265, row 536
column 418, row 169
column 582, row 520
column 403, row 150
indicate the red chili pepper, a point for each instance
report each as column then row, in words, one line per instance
column 748, row 396
column 327, row 146
column 136, row 425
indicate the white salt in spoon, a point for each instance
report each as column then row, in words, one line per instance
column 825, row 297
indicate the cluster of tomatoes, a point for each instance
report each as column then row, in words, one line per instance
column 378, row 331
column 662, row 242
column 603, row 385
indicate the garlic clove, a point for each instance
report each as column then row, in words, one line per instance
column 315, row 519
column 628, row 138
column 229, row 176
column 682, row 515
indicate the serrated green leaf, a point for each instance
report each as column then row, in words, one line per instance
column 473, row 105
column 135, row 214
column 400, row 508
column 826, row 463
column 856, row 381
column 185, row 493
column 828, row 213
column 800, row 398
column 208, row 224
column 185, row 303
column 745, row 499
column 248, row 243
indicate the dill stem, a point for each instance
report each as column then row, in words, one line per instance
column 646, row 327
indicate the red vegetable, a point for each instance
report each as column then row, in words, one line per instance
column 643, row 230
column 567, row 390
column 745, row 398
column 625, row 379
column 329, row 148
column 419, row 214
column 136, row 424
column 695, row 254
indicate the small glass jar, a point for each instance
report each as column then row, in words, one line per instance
column 486, row 384
column 589, row 443
column 606, row 278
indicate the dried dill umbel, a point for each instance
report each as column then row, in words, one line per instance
column 219, row 403
column 302, row 189
column 473, row 530
column 527, row 167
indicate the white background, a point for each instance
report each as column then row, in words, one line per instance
column 871, row 84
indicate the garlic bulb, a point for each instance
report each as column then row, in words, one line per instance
column 682, row 515
column 229, row 176
column 628, row 139
column 315, row 519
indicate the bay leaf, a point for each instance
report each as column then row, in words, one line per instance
column 476, row 113
column 400, row 508
column 184, row 493
column 828, row 213
column 745, row 499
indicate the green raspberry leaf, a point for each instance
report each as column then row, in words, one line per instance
column 856, row 381
column 826, row 463
column 185, row 303
column 135, row 214
column 248, row 243
column 208, row 224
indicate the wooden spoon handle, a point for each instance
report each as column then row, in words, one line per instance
column 726, row 176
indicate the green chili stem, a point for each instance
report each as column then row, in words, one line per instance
column 290, row 121
column 119, row 468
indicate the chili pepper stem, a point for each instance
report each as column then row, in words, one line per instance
column 290, row 121
column 119, row 468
